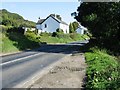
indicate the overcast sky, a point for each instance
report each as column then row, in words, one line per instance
column 33, row 10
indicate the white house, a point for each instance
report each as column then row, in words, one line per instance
column 81, row 29
column 50, row 24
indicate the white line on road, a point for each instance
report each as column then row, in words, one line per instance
column 20, row 59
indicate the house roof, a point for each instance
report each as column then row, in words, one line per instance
column 40, row 21
column 59, row 21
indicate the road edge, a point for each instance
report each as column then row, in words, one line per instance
column 41, row 73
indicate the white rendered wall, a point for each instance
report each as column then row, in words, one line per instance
column 52, row 25
column 64, row 27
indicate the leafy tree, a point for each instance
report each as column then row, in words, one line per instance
column 102, row 19
column 75, row 25
column 71, row 29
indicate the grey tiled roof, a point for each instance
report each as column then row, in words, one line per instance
column 40, row 21
column 59, row 21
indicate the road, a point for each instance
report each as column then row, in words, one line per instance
column 20, row 67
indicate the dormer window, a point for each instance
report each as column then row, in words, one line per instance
column 45, row 25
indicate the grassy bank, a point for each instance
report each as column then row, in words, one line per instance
column 61, row 38
column 14, row 42
column 102, row 71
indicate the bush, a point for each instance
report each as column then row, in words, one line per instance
column 60, row 35
column 45, row 34
column 59, row 30
column 76, row 36
column 14, row 41
column 54, row 34
column 16, row 29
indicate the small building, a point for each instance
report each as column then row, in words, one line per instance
column 81, row 29
column 28, row 29
column 50, row 24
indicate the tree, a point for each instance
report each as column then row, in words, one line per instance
column 75, row 25
column 71, row 29
column 102, row 19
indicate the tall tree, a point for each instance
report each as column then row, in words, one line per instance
column 75, row 25
column 102, row 19
column 71, row 29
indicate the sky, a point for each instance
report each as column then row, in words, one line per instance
column 33, row 10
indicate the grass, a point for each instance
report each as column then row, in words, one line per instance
column 102, row 70
column 13, row 42
column 50, row 39
column 61, row 38
column 8, row 45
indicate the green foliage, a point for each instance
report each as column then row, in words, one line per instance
column 16, row 29
column 54, row 34
column 59, row 30
column 32, row 36
column 8, row 45
column 102, row 19
column 58, row 37
column 76, row 36
column 102, row 71
column 71, row 29
column 13, row 41
column 13, row 19
column 73, row 26
column 45, row 34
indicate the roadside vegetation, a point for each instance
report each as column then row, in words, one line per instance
column 14, row 20
column 14, row 42
column 102, row 20
column 102, row 71
column 58, row 37
column 15, row 39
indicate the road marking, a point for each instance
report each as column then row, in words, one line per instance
column 19, row 59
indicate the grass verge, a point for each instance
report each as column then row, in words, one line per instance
column 14, row 42
column 102, row 71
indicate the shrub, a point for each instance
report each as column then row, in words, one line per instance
column 45, row 34
column 16, row 29
column 54, row 34
column 59, row 30
column 76, row 36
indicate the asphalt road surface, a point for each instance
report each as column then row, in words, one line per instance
column 18, row 68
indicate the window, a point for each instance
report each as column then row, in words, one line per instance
column 45, row 25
